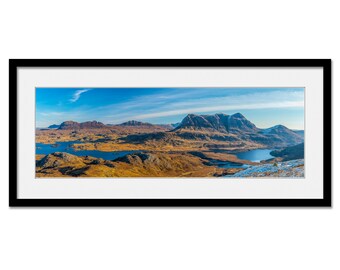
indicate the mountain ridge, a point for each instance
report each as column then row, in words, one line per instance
column 66, row 125
column 235, row 123
column 216, row 127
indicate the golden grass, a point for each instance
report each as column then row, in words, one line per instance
column 170, row 154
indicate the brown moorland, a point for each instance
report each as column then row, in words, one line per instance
column 136, row 165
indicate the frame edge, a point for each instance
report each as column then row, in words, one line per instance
column 14, row 201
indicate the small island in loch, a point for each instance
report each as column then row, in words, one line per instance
column 218, row 144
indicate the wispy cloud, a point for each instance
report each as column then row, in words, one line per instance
column 77, row 94
column 222, row 108
column 168, row 105
column 51, row 113
column 150, row 107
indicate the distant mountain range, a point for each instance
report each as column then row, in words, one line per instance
column 67, row 125
column 217, row 127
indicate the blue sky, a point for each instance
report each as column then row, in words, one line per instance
column 265, row 107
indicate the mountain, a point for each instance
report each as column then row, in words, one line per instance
column 224, row 123
column 238, row 123
column 202, row 122
column 54, row 126
column 283, row 134
column 135, row 123
column 85, row 125
column 278, row 129
column 236, row 127
column 218, row 131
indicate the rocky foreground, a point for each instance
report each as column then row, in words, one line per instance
column 157, row 164
column 289, row 169
column 61, row 164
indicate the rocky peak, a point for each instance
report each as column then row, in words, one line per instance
column 238, row 115
column 84, row 125
column 238, row 123
column 58, row 159
column 195, row 121
column 69, row 125
column 92, row 124
column 276, row 129
column 219, row 122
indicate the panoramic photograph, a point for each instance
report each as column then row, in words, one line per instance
column 213, row 132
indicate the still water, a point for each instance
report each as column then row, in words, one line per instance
column 45, row 149
column 255, row 155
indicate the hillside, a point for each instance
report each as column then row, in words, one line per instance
column 236, row 127
column 290, row 153
column 195, row 132
column 135, row 165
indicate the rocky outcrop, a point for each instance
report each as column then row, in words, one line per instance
column 59, row 159
column 293, row 169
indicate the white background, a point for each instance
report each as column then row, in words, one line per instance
column 168, row 238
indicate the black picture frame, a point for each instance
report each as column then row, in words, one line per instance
column 14, row 64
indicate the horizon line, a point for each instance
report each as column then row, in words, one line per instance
column 158, row 124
